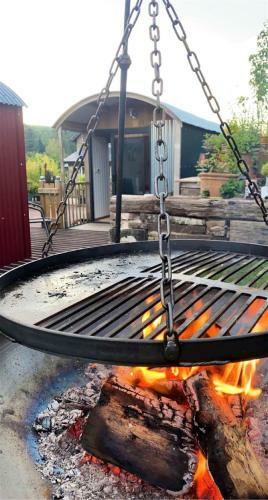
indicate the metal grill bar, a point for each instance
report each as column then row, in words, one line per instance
column 196, row 264
column 180, row 309
column 252, row 322
column 139, row 324
column 220, row 266
column 118, row 310
column 55, row 320
column 228, row 270
column 100, row 313
column 218, row 273
column 183, row 257
column 258, row 276
column 198, row 313
column 187, row 294
column 233, row 320
column 216, row 266
column 255, row 267
column 217, row 316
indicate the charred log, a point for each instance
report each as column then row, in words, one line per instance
column 144, row 433
column 223, row 439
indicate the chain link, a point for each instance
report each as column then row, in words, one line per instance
column 161, row 189
column 92, row 125
column 215, row 108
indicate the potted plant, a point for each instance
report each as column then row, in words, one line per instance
column 219, row 164
column 212, row 167
column 232, row 188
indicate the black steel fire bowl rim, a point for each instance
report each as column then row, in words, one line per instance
column 134, row 352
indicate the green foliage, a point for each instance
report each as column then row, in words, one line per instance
column 205, row 193
column 215, row 154
column 259, row 72
column 53, row 150
column 264, row 169
column 232, row 188
column 81, row 178
column 38, row 138
column 219, row 157
column 35, row 167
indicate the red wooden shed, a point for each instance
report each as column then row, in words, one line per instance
column 14, row 219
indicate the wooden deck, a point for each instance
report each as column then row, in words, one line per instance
column 65, row 240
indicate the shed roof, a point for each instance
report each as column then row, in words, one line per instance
column 82, row 110
column 9, row 97
column 71, row 158
column 194, row 120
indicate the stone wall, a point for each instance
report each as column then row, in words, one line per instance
column 234, row 220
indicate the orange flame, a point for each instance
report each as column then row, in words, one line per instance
column 205, row 487
column 232, row 378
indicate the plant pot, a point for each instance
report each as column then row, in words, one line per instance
column 212, row 181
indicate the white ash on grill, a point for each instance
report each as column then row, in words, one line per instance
column 64, row 462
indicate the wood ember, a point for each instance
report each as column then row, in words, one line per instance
column 256, row 416
column 224, row 427
column 147, row 434
column 74, row 475
column 223, row 438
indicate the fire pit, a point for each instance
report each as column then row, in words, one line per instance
column 220, row 311
column 218, row 287
column 152, row 424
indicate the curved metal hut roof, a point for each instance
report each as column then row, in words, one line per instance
column 84, row 106
column 9, row 97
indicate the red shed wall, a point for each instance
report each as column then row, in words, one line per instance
column 14, row 218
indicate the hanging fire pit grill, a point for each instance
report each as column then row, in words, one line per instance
column 220, row 307
column 203, row 304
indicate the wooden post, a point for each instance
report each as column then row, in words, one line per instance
column 61, row 168
column 61, row 154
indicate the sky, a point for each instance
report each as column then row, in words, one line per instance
column 57, row 52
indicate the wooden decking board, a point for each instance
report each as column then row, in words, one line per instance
column 64, row 241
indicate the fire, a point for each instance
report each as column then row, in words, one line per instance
column 205, row 487
column 237, row 378
column 229, row 379
column 147, row 330
column 232, row 378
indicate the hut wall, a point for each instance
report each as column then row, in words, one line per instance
column 14, row 218
column 191, row 147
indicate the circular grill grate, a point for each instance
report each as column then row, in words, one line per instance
column 220, row 311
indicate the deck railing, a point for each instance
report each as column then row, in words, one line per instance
column 78, row 206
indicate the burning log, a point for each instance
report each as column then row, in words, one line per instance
column 223, row 439
column 144, row 433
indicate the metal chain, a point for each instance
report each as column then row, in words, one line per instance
column 91, row 126
column 215, row 108
column 161, row 189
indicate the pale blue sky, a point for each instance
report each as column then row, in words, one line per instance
column 56, row 52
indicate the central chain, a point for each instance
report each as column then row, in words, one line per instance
column 161, row 189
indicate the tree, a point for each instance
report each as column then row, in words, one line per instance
column 53, row 150
column 259, row 73
column 35, row 167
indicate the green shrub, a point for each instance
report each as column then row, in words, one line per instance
column 205, row 193
column 264, row 169
column 81, row 178
column 232, row 188
column 35, row 167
